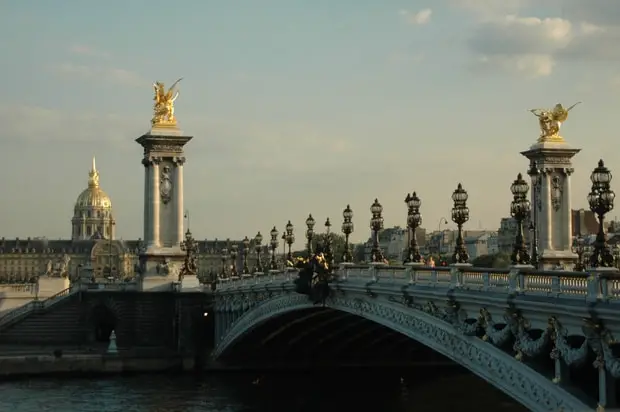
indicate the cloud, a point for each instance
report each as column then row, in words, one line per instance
column 108, row 74
column 420, row 18
column 487, row 9
column 532, row 45
column 83, row 50
column 37, row 124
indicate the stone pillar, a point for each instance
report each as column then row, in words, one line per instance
column 146, row 236
column 155, row 199
column 554, row 211
column 179, row 198
column 548, row 218
column 567, row 199
column 163, row 258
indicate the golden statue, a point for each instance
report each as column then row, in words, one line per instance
column 550, row 121
column 163, row 109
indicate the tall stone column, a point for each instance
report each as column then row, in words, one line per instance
column 155, row 202
column 567, row 199
column 179, row 204
column 553, row 217
column 163, row 156
column 147, row 208
column 547, row 209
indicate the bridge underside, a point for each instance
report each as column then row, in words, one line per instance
column 318, row 335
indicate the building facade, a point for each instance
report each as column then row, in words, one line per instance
column 93, row 244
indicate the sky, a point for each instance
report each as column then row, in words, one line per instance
column 297, row 106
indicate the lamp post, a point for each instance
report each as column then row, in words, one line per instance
column 190, row 247
column 534, row 173
column 601, row 200
column 329, row 249
column 274, row 245
column 246, row 251
column 579, row 249
column 414, row 220
column 519, row 209
column 460, row 215
column 234, row 251
column 376, row 224
column 224, row 259
column 347, row 229
column 310, row 222
column 258, row 239
column 290, row 239
column 284, row 249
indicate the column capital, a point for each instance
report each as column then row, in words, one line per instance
column 151, row 160
column 568, row 171
column 178, row 160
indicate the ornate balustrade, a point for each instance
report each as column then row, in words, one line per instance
column 590, row 286
column 109, row 286
column 35, row 305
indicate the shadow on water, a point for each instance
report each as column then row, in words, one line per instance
column 393, row 391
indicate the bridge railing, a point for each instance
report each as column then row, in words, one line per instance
column 593, row 285
column 109, row 286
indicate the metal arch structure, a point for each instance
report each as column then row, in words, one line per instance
column 503, row 371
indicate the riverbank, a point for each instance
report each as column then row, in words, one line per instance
column 72, row 364
column 28, row 365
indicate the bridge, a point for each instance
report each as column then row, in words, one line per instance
column 545, row 338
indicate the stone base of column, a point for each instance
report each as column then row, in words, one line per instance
column 190, row 283
column 160, row 268
column 556, row 259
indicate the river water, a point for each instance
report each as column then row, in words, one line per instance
column 380, row 392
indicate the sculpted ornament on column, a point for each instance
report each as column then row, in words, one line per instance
column 165, row 187
column 178, row 161
column 556, row 192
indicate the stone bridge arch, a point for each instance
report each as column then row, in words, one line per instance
column 517, row 380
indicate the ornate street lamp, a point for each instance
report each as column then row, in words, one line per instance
column 234, row 251
column 347, row 229
column 274, row 245
column 310, row 222
column 601, row 200
column 289, row 239
column 376, row 224
column 534, row 174
column 329, row 249
column 579, row 249
column 258, row 239
column 190, row 247
column 520, row 209
column 414, row 220
column 224, row 259
column 460, row 215
column 246, row 252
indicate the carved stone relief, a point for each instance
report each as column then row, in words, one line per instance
column 538, row 192
column 165, row 185
column 556, row 192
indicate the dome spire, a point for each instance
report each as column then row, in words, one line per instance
column 93, row 176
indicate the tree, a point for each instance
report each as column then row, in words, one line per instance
column 495, row 261
column 359, row 252
column 319, row 238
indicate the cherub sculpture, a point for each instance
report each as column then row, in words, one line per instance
column 550, row 121
column 163, row 109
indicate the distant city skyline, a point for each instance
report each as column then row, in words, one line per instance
column 299, row 109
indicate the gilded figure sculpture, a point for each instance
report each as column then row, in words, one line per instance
column 163, row 109
column 550, row 121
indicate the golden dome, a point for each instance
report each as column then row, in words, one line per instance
column 93, row 197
